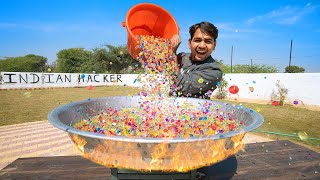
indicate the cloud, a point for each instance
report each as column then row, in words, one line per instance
column 234, row 28
column 222, row 27
column 225, row 27
column 6, row 25
column 235, row 31
column 286, row 16
column 57, row 27
column 10, row 25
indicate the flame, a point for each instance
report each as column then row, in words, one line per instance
column 167, row 157
column 79, row 142
column 158, row 154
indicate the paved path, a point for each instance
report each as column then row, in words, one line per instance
column 41, row 139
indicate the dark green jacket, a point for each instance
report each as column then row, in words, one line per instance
column 196, row 79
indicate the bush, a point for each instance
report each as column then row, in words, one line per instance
column 280, row 94
column 222, row 89
column 294, row 69
column 255, row 68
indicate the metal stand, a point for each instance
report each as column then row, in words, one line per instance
column 119, row 174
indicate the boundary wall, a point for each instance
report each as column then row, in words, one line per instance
column 302, row 87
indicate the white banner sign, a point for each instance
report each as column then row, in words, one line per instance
column 21, row 80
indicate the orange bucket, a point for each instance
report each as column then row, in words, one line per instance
column 148, row 19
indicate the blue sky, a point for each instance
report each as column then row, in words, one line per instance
column 257, row 30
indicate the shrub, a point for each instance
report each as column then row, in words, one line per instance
column 280, row 94
column 294, row 69
column 222, row 89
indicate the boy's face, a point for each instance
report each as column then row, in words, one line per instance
column 201, row 45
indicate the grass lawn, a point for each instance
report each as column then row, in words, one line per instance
column 288, row 122
column 20, row 106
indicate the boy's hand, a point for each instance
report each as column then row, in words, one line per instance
column 175, row 41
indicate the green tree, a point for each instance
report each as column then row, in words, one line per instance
column 255, row 68
column 28, row 63
column 118, row 59
column 51, row 67
column 225, row 68
column 99, row 60
column 74, row 60
column 294, row 69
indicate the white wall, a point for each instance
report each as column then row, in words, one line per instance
column 301, row 86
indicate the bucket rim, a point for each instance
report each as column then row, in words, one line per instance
column 133, row 8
